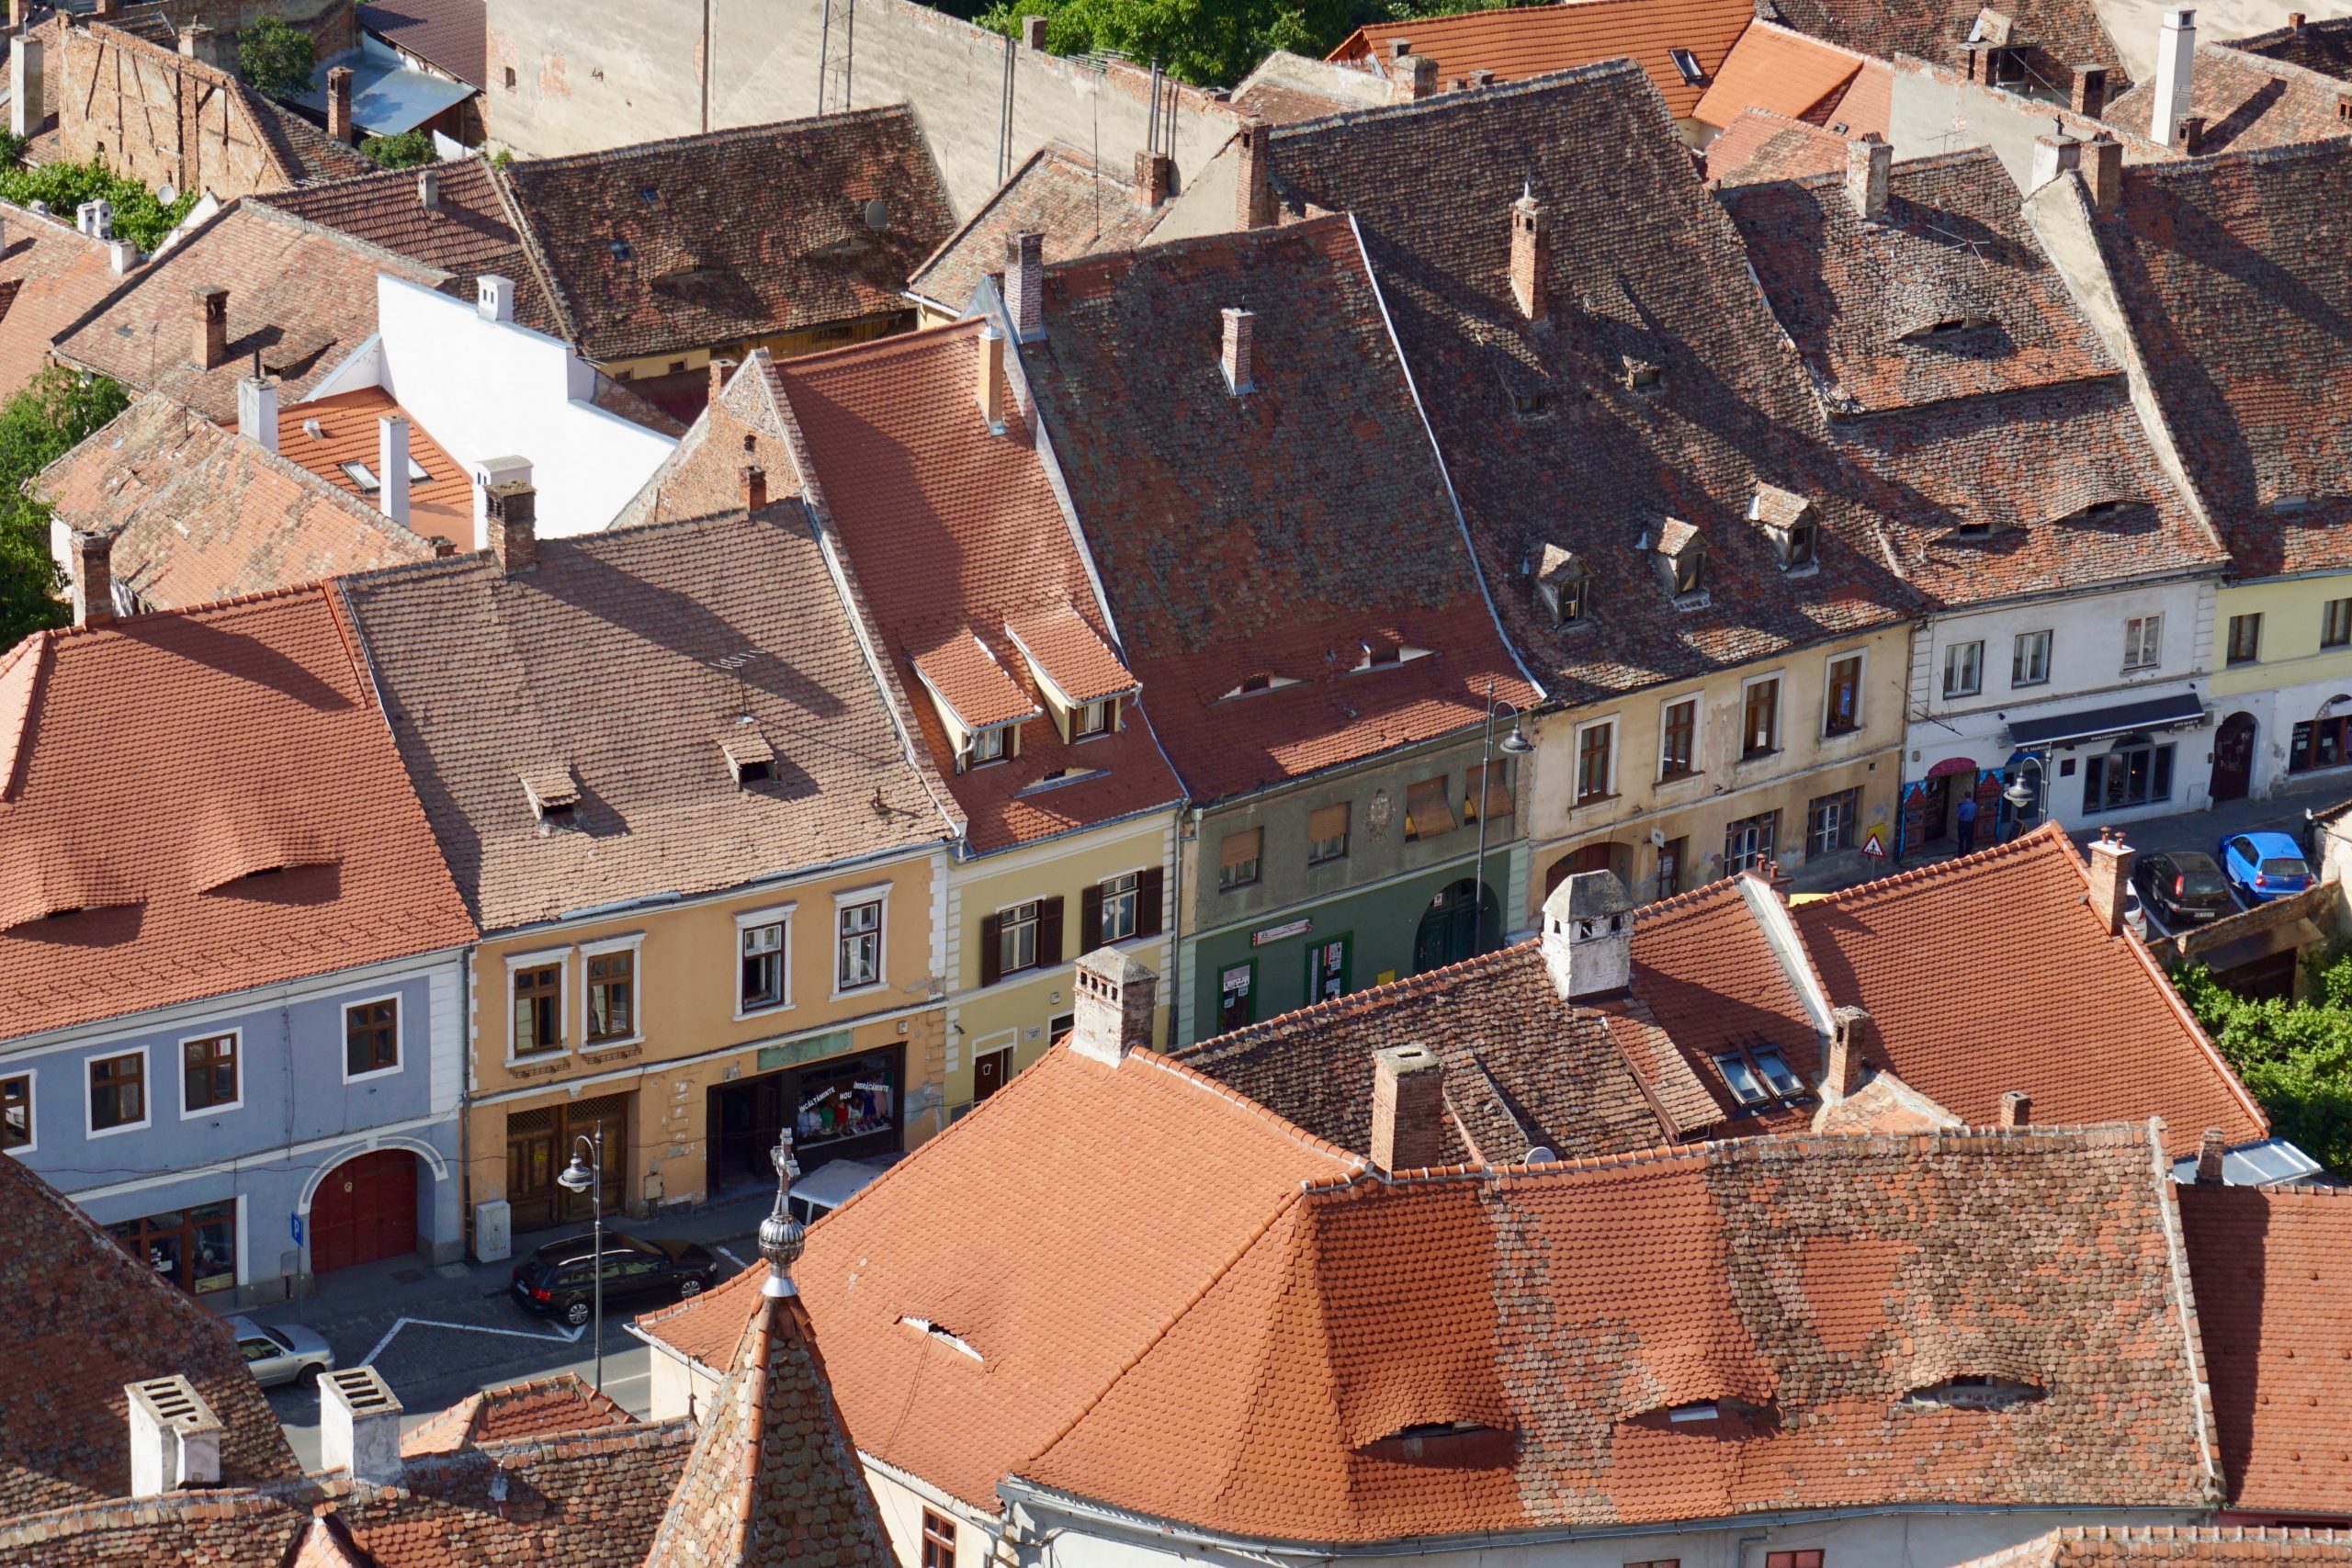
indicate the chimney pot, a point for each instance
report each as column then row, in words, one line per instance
column 1869, row 163
column 359, row 1426
column 391, row 468
column 990, row 390
column 2110, row 881
column 93, row 578
column 2017, row 1109
column 1531, row 252
column 2210, row 1150
column 2192, row 134
column 1033, row 33
column 2102, row 171
column 1411, row 78
column 489, row 474
column 209, row 348
column 1398, row 48
column 2175, row 69
column 1408, row 1109
column 339, row 104
column 1155, row 173
column 428, row 189
column 198, row 43
column 1114, row 995
column 755, row 487
column 719, row 370
column 1588, row 939
column 1253, row 190
column 1239, row 356
column 26, row 95
column 175, row 1436
column 1025, row 285
column 495, row 297
column 257, row 411
column 1849, row 1032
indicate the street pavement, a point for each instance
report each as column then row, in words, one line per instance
column 437, row 1335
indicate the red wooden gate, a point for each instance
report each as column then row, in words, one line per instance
column 366, row 1209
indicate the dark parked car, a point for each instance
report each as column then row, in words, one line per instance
column 2183, row 887
column 2263, row 866
column 556, row 1280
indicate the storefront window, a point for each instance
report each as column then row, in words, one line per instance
column 195, row 1249
column 854, row 1097
column 2137, row 772
column 2319, row 743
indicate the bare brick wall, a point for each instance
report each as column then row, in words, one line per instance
column 159, row 119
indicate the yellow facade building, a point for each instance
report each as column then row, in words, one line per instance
column 2282, row 686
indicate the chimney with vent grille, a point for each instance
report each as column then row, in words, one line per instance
column 208, row 347
column 2209, row 1152
column 2086, row 90
column 339, row 104
column 2176, row 66
column 989, row 389
column 1589, row 936
column 1155, row 172
column 1849, row 1031
column 2052, row 156
column 1408, row 1109
column 175, row 1436
column 1869, row 162
column 1411, row 78
column 1253, row 176
column 1025, row 285
column 514, row 526
column 1114, row 998
column 755, row 487
column 489, row 474
column 359, row 1426
column 93, row 578
column 495, row 297
column 2017, row 1109
column 25, row 90
column 391, row 468
column 1530, row 254
column 2102, row 172
column 1236, row 360
column 2111, row 879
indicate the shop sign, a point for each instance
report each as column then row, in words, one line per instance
column 816, row 1048
column 1276, row 934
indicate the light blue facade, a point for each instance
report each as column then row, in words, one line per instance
column 258, row 1164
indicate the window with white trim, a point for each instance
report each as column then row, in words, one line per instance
column 760, row 980
column 2143, row 642
column 858, row 945
column 1964, row 668
column 117, row 1091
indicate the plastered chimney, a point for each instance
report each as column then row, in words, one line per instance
column 1238, row 356
column 1025, row 285
column 1589, row 936
column 2176, row 68
column 428, row 189
column 1849, row 1033
column 514, row 526
column 391, row 471
column 359, row 1426
column 1408, row 1109
column 1530, row 255
column 93, row 578
column 25, row 88
column 339, row 104
column 2102, row 172
column 988, row 389
column 1253, row 176
column 489, row 474
column 257, row 411
column 2017, row 1109
column 1114, row 997
column 1869, row 163
column 1033, row 33
column 2111, row 877
column 207, row 346
column 2052, row 156
column 175, row 1436
column 2210, row 1151
column 495, row 297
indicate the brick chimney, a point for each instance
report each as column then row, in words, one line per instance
column 755, row 486
column 2086, row 90
column 1237, row 359
column 391, row 468
column 207, row 346
column 257, row 411
column 2111, row 879
column 1869, row 162
column 359, row 1426
column 1411, row 78
column 988, row 391
column 1530, row 254
column 1408, row 1109
column 719, row 370
column 1253, row 176
column 18, row 12
column 1589, row 936
column 2017, row 1109
column 2175, row 67
column 2294, row 21
column 2102, row 172
column 1155, row 172
column 489, row 474
column 514, row 526
column 1113, row 998
column 339, row 104
column 1025, row 285
column 2190, row 138
column 93, row 578
column 2210, row 1150
column 428, row 189
column 1479, row 79
column 24, row 89
column 175, row 1436
column 2052, row 156
column 1849, row 1032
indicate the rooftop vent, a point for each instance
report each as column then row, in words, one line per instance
column 175, row 1436
column 749, row 756
column 1462, row 1444
column 554, row 797
column 359, row 1425
column 877, row 215
column 952, row 1341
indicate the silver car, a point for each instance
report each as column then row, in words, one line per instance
column 277, row 1354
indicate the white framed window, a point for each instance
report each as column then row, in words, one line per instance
column 2030, row 661
column 1094, row 717
column 762, row 960
column 371, row 1038
column 987, row 745
column 1963, row 669
column 1119, row 908
column 858, row 918
column 535, row 993
column 611, row 991
column 2143, row 642
column 1016, row 937
column 1760, row 718
column 115, row 1093
column 19, row 1134
column 1842, row 696
column 1677, row 744
column 212, row 1073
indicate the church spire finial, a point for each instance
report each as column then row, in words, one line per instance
column 781, row 1236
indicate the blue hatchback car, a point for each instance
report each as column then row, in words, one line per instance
column 2262, row 866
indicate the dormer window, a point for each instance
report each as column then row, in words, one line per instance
column 1094, row 718
column 1642, row 375
column 1563, row 582
column 1470, row 1444
column 992, row 745
column 1985, row 1391
column 1947, row 327
column 1685, row 555
column 749, row 756
column 554, row 797
column 1699, row 1410
column 1251, row 685
column 941, row 1335
column 1532, row 404
column 1689, row 571
column 2097, row 511
column 1386, row 655
column 1787, row 520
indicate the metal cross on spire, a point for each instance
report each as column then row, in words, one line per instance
column 781, row 1236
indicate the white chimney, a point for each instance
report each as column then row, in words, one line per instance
column 175, row 1436
column 95, row 219
column 391, row 468
column 122, row 255
column 2052, row 156
column 1589, row 936
column 489, row 474
column 359, row 1425
column 495, row 297
column 2176, row 63
column 1114, row 999
column 25, row 93
column 257, row 411
column 990, row 389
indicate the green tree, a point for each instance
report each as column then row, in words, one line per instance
column 2294, row 1058
column 407, row 151
column 139, row 215
column 276, row 58
column 1208, row 42
column 47, row 418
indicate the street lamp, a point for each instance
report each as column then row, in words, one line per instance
column 588, row 1176
column 1515, row 744
column 2020, row 798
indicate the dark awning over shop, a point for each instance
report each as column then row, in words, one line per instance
column 2168, row 711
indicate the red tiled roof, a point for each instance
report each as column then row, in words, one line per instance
column 1782, row 73
column 540, row 1408
column 50, row 274
column 1063, row 648
column 2082, row 1021
column 199, row 513
column 1757, row 146
column 1285, row 89
column 441, row 505
column 251, row 717
column 1276, row 532
column 2052, row 35
column 1714, row 983
column 952, row 533
column 1060, row 193
column 1809, row 1288
column 451, row 34
column 2227, row 1545
column 2272, row 1267
column 1535, row 41
column 2247, row 102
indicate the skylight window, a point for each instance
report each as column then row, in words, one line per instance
column 1688, row 63
column 622, row 250
column 361, row 474
column 945, row 1336
column 1745, row 1087
column 1759, row 1075
column 1776, row 1073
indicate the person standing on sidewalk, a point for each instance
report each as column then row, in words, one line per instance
column 1965, row 815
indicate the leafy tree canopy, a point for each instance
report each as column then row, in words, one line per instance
column 2295, row 1057
column 409, row 150
column 139, row 217
column 274, row 59
column 47, row 418
column 1207, row 42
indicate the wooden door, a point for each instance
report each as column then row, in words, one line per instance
column 988, row 1074
column 365, row 1210
column 2234, row 757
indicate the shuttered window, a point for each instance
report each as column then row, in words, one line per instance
column 1427, row 811
column 1326, row 834
column 1237, row 859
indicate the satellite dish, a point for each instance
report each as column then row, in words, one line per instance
column 1539, row 1154
column 877, row 215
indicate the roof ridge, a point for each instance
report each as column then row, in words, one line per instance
column 710, row 138
column 1690, row 897
column 1527, row 87
column 1272, row 1118
column 49, row 1525
column 1350, row 1003
column 954, row 236
column 2034, row 842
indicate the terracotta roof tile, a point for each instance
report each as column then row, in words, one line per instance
column 451, row 34
column 200, row 513
column 254, row 717
column 2053, row 35
column 1274, row 534
column 50, row 274
column 1058, row 192
column 653, row 609
column 1535, row 41
column 1757, row 146
column 1782, row 73
column 2246, row 101
column 440, row 504
column 965, row 675
column 1285, row 89
column 543, row 1407
column 1064, row 648
column 2227, row 1545
column 2272, row 1266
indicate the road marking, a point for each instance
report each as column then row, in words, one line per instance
column 730, row 1256
column 558, row 1337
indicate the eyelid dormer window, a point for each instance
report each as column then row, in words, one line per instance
column 1563, row 584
